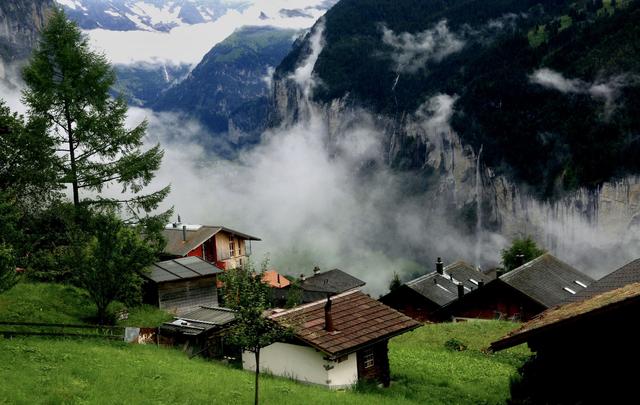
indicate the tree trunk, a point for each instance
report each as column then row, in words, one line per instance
column 72, row 158
column 257, row 354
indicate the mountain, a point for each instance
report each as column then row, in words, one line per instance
column 548, row 89
column 230, row 84
column 20, row 24
column 145, row 15
column 143, row 83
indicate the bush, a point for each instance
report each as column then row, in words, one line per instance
column 455, row 345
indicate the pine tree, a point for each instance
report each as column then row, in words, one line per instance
column 68, row 95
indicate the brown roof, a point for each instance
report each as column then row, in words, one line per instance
column 274, row 279
column 567, row 313
column 359, row 321
column 178, row 247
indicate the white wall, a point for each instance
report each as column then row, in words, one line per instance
column 304, row 364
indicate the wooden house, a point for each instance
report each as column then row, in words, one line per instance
column 422, row 297
column 181, row 285
column 318, row 286
column 337, row 341
column 201, row 331
column 585, row 351
column 520, row 294
column 224, row 247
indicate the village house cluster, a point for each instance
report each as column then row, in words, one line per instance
column 341, row 333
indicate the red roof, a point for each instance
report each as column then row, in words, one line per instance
column 274, row 279
column 359, row 321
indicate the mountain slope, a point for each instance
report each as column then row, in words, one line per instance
column 20, row 24
column 231, row 80
column 547, row 88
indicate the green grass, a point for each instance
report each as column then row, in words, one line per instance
column 93, row 371
column 58, row 303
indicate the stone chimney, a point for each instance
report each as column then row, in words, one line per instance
column 439, row 266
column 184, row 233
column 460, row 290
column 328, row 319
column 316, row 270
column 302, row 277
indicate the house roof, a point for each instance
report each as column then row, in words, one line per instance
column 275, row 279
column 181, row 269
column 573, row 311
column 547, row 280
column 359, row 321
column 627, row 274
column 201, row 320
column 443, row 288
column 195, row 236
column 333, row 281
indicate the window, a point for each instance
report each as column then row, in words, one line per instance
column 239, row 248
column 473, row 281
column 367, row 359
column 232, row 248
column 580, row 283
column 569, row 290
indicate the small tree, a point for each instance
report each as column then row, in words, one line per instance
column 110, row 262
column 395, row 282
column 249, row 297
column 68, row 96
column 7, row 268
column 521, row 251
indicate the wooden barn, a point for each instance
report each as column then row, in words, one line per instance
column 317, row 286
column 181, row 285
column 520, row 294
column 337, row 341
column 585, row 351
column 225, row 247
column 422, row 297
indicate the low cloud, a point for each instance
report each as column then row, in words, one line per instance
column 412, row 52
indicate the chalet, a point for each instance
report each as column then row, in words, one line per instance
column 223, row 246
column 317, row 287
column 627, row 274
column 337, row 341
column 583, row 351
column 520, row 294
column 421, row 297
column 181, row 285
column 200, row 331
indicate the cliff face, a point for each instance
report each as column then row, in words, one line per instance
column 20, row 24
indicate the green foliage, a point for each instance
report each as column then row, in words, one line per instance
column 294, row 297
column 521, row 251
column 110, row 262
column 68, row 99
column 423, row 372
column 455, row 345
column 60, row 303
column 8, row 276
column 395, row 282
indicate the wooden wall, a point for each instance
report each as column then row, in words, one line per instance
column 380, row 371
column 184, row 295
column 411, row 304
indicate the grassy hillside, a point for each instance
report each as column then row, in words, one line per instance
column 423, row 372
column 58, row 303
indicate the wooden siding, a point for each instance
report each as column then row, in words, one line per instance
column 185, row 295
column 411, row 304
column 379, row 371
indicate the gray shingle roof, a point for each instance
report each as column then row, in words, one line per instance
column 201, row 320
column 180, row 269
column 333, row 281
column 178, row 247
column 443, row 288
column 627, row 274
column 547, row 280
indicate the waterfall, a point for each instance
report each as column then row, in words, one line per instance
column 478, row 193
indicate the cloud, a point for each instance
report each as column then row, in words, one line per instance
column 11, row 86
column 413, row 51
column 189, row 43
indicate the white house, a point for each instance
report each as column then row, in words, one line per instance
column 335, row 342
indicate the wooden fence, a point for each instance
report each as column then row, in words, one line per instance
column 10, row 329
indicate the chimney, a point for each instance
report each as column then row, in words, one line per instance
column 519, row 259
column 278, row 279
column 179, row 220
column 460, row 290
column 184, row 233
column 302, row 278
column 499, row 273
column 480, row 283
column 328, row 319
column 316, row 270
column 439, row 266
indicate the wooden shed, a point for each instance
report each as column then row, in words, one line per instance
column 182, row 284
column 585, row 351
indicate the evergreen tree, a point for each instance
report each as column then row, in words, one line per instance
column 395, row 282
column 68, row 97
column 521, row 251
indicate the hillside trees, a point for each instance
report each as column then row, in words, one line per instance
column 68, row 98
